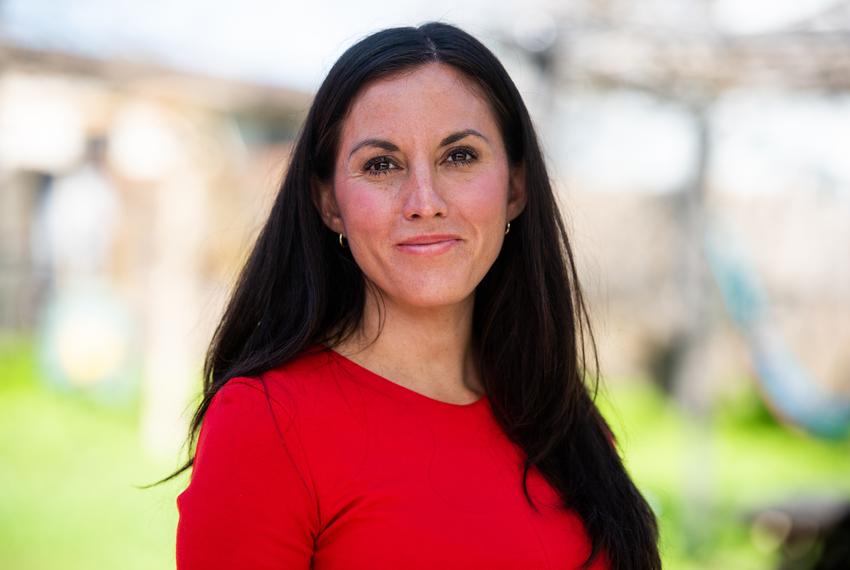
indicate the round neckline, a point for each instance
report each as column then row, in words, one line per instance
column 388, row 385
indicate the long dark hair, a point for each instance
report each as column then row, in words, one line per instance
column 299, row 289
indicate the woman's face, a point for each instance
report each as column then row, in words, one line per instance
column 422, row 188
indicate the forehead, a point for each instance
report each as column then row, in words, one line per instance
column 433, row 97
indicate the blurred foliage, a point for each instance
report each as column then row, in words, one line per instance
column 71, row 468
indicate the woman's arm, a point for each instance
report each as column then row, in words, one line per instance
column 250, row 503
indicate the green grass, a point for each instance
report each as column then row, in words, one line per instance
column 69, row 475
column 69, row 468
column 704, row 477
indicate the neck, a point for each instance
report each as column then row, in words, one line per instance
column 426, row 350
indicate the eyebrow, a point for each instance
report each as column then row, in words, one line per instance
column 454, row 137
column 388, row 146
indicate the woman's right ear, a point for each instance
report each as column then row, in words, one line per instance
column 325, row 201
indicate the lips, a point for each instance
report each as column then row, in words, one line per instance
column 429, row 244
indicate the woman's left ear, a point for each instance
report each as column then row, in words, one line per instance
column 516, row 192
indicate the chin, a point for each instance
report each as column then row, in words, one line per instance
column 432, row 298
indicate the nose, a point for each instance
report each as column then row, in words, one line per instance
column 421, row 198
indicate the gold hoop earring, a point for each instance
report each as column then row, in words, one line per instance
column 341, row 244
column 507, row 228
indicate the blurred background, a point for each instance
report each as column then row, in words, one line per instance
column 701, row 150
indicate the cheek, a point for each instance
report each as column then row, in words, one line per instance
column 364, row 210
column 484, row 201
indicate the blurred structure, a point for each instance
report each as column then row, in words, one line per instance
column 680, row 59
column 129, row 194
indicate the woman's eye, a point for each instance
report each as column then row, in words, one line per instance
column 460, row 157
column 378, row 166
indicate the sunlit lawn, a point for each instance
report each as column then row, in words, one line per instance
column 703, row 478
column 68, row 475
column 69, row 470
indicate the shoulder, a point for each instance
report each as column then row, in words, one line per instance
column 281, row 391
column 312, row 371
column 259, row 423
column 251, row 500
column 320, row 410
column 308, row 401
column 315, row 388
column 250, row 452
column 254, row 414
column 242, row 426
column 305, row 420
column 304, row 389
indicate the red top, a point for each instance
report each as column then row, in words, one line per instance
column 345, row 469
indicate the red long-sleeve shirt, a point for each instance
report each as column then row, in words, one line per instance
column 345, row 469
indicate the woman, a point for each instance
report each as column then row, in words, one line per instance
column 397, row 381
